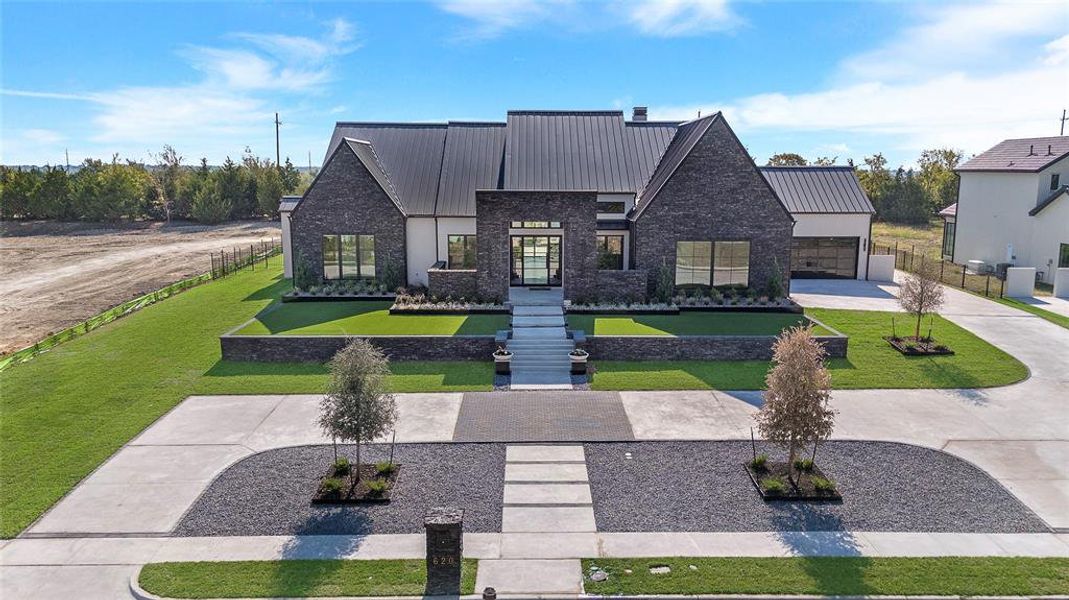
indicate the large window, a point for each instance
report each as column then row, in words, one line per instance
column 731, row 263
column 693, row 262
column 611, row 208
column 949, row 230
column 348, row 256
column 461, row 252
column 1054, row 181
column 1063, row 256
column 611, row 252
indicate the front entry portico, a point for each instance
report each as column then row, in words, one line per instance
column 535, row 260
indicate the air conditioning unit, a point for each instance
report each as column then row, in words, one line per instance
column 977, row 267
column 1000, row 269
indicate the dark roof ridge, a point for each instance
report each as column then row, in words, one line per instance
column 846, row 167
column 592, row 113
column 657, row 123
column 413, row 124
column 478, row 123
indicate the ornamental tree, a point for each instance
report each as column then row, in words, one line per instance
column 921, row 293
column 796, row 412
column 357, row 407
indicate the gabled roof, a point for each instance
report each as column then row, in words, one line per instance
column 288, row 203
column 411, row 153
column 366, row 154
column 950, row 211
column 818, row 189
column 472, row 161
column 1044, row 203
column 1026, row 155
column 686, row 137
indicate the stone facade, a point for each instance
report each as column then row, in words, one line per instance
column 455, row 283
column 346, row 199
column 716, row 194
column 577, row 212
column 321, row 348
column 695, row 347
column 621, row 286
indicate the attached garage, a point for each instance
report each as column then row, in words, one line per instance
column 833, row 220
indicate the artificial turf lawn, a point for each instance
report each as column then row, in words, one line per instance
column 365, row 318
column 80, row 402
column 870, row 363
column 293, row 578
column 835, row 576
column 689, row 323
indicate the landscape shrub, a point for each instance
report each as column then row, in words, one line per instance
column 773, row 485
column 342, row 466
column 376, row 487
column 331, row 486
column 385, row 467
column 760, row 462
column 303, row 277
column 822, row 484
column 803, row 464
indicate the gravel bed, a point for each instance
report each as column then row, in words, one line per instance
column 270, row 493
column 702, row 486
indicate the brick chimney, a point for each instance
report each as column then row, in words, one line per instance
column 639, row 114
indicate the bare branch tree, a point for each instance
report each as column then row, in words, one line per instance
column 796, row 412
column 921, row 293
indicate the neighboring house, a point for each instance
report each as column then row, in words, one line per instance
column 1012, row 207
column 581, row 200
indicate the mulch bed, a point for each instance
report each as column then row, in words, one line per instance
column 913, row 346
column 802, row 489
column 358, row 492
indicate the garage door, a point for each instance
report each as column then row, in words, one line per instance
column 824, row 257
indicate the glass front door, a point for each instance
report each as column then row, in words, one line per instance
column 536, row 260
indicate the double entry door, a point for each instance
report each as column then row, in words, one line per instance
column 536, row 260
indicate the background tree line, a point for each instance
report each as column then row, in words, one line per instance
column 168, row 189
column 902, row 195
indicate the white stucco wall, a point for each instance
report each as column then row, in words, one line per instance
column 448, row 226
column 993, row 215
column 287, row 249
column 420, row 253
column 837, row 225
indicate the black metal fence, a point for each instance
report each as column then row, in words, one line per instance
column 991, row 285
column 241, row 257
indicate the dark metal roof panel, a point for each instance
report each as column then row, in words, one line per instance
column 473, row 159
column 647, row 141
column 818, row 189
column 410, row 153
column 365, row 151
column 1027, row 155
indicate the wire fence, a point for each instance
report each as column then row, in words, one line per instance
column 222, row 264
column 991, row 284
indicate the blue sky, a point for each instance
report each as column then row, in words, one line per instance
column 844, row 79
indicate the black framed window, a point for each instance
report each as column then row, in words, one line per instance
column 1063, row 256
column 694, row 261
column 535, row 224
column 615, row 208
column 461, row 252
column 1054, row 181
column 348, row 256
column 731, row 263
column 610, row 252
column 949, row 230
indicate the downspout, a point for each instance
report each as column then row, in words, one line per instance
column 868, row 249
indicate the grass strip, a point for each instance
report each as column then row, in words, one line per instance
column 364, row 318
column 688, row 323
column 853, row 576
column 1057, row 319
column 293, row 578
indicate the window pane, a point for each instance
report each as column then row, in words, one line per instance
column 732, row 262
column 461, row 252
column 331, row 268
column 611, row 207
column 367, row 255
column 610, row 252
column 693, row 263
column 1063, row 256
column 349, row 257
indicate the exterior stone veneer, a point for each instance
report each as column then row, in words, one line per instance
column 621, row 286
column 577, row 212
column 456, row 283
column 695, row 347
column 345, row 199
column 321, row 348
column 716, row 194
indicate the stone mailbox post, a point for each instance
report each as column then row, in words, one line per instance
column 445, row 550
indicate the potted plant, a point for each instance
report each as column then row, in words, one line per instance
column 578, row 357
column 502, row 361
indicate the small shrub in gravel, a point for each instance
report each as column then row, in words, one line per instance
column 331, row 486
column 773, row 485
column 822, row 484
column 342, row 467
column 385, row 467
column 760, row 462
column 805, row 465
column 376, row 487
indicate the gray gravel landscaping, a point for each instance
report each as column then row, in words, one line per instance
column 702, row 486
column 270, row 493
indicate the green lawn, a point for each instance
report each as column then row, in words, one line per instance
column 689, row 323
column 870, row 362
column 293, row 578
column 365, row 318
column 1038, row 311
column 66, row 411
column 831, row 576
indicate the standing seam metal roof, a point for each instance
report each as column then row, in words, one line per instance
column 472, row 161
column 818, row 189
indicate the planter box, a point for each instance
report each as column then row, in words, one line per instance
column 321, row 348
column 579, row 365
column 747, row 308
column 923, row 348
column 621, row 310
column 359, row 494
column 291, row 297
column 503, row 366
column 805, row 490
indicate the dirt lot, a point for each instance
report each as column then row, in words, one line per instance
column 53, row 275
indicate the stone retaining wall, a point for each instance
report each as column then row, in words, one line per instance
column 456, row 283
column 321, row 348
column 621, row 286
column 695, row 347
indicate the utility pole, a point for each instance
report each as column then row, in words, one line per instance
column 278, row 155
column 309, row 161
column 1063, row 122
column 67, row 155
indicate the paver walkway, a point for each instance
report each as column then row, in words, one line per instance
column 545, row 416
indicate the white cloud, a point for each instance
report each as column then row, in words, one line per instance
column 670, row 18
column 909, row 103
column 491, row 18
column 42, row 136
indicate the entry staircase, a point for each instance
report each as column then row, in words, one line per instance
column 539, row 342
